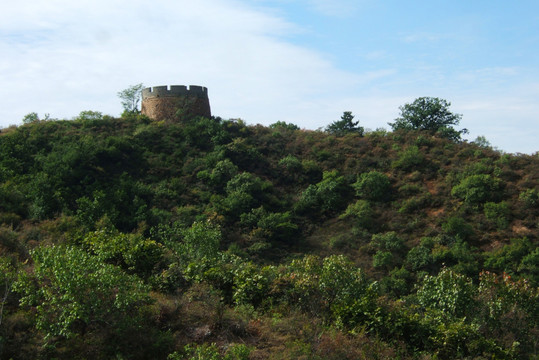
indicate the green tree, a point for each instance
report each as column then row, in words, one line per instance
column 430, row 114
column 90, row 115
column 328, row 195
column 73, row 292
column 373, row 185
column 346, row 125
column 448, row 292
column 478, row 189
column 284, row 125
column 130, row 97
column 30, row 118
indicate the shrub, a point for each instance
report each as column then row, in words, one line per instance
column 73, row 292
column 498, row 213
column 387, row 241
column 383, row 259
column 530, row 198
column 270, row 226
column 327, row 196
column 515, row 258
column 409, row 159
column 478, row 189
column 448, row 292
column 458, row 228
column 362, row 213
column 130, row 251
column 420, row 257
column 373, row 186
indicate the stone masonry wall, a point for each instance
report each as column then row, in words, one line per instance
column 175, row 103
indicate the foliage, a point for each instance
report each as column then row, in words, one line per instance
column 478, row 189
column 211, row 352
column 284, row 125
column 89, row 115
column 498, row 213
column 30, row 118
column 130, row 97
column 132, row 252
column 346, row 125
column 270, row 226
column 8, row 275
column 237, row 230
column 429, row 114
column 73, row 292
column 449, row 293
column 409, row 158
column 362, row 213
column 326, row 196
column 530, row 197
column 517, row 258
column 458, row 228
column 373, row 186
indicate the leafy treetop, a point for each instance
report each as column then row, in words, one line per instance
column 345, row 126
column 430, row 114
column 130, row 97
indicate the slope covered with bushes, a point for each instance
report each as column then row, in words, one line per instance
column 212, row 239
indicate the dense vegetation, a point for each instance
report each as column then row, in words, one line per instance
column 209, row 239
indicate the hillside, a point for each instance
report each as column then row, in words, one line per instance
column 210, row 239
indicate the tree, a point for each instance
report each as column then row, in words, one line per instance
column 130, row 97
column 73, row 292
column 429, row 114
column 345, row 126
column 30, row 118
column 373, row 185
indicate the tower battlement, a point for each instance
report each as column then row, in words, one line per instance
column 175, row 102
column 175, row 90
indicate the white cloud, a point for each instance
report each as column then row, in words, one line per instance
column 79, row 57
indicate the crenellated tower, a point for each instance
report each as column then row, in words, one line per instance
column 175, row 102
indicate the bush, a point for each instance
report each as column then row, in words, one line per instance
column 458, row 228
column 387, row 241
column 373, row 186
column 329, row 195
column 450, row 293
column 498, row 213
column 530, row 198
column 362, row 213
column 515, row 258
column 478, row 189
column 270, row 226
column 409, row 159
column 74, row 292
column 130, row 251
column 420, row 256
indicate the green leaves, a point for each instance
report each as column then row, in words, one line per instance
column 130, row 97
column 429, row 114
column 326, row 196
column 373, row 185
column 73, row 291
column 345, row 126
column 448, row 292
column 478, row 189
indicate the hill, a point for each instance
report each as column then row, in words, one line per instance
column 212, row 239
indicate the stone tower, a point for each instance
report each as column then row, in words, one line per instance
column 175, row 103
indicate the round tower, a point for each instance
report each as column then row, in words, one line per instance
column 175, row 103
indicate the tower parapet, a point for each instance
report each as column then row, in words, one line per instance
column 176, row 102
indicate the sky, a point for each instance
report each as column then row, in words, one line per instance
column 299, row 61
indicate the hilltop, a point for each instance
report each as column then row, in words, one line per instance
column 131, row 238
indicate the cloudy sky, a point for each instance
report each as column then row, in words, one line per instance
column 297, row 61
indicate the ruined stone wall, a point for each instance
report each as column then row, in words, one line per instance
column 176, row 102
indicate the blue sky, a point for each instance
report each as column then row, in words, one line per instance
column 298, row 61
